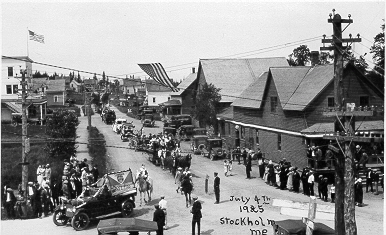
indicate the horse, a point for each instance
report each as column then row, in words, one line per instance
column 144, row 186
column 187, row 188
column 184, row 161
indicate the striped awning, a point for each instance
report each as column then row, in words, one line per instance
column 14, row 107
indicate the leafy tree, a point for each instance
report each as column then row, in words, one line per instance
column 300, row 56
column 326, row 58
column 95, row 98
column 207, row 107
column 95, row 77
column 378, row 51
column 79, row 80
column 105, row 98
column 61, row 127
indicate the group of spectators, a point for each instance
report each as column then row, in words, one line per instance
column 43, row 194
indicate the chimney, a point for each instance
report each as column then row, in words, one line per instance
column 193, row 70
column 314, row 56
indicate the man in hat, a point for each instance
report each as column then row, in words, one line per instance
column 216, row 186
column 48, row 172
column 310, row 182
column 236, row 154
column 196, row 211
column 163, row 204
column 9, row 204
column 244, row 156
column 248, row 165
column 159, row 217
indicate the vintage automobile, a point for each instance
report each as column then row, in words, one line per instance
column 131, row 225
column 198, row 143
column 117, row 125
column 176, row 121
column 169, row 130
column 127, row 131
column 199, row 131
column 114, row 194
column 214, row 149
column 142, row 110
column 185, row 132
column 148, row 120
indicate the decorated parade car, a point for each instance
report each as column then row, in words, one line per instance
column 117, row 125
column 113, row 194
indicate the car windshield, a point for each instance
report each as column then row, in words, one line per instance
column 200, row 132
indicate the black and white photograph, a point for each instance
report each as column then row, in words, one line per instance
column 192, row 117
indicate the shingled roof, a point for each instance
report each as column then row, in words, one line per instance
column 153, row 86
column 233, row 76
column 318, row 128
column 52, row 85
column 253, row 95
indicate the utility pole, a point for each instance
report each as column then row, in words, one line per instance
column 344, row 132
column 24, row 140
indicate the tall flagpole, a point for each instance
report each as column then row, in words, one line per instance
column 27, row 42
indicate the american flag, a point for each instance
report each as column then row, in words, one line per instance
column 35, row 37
column 158, row 73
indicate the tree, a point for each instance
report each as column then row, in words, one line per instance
column 207, row 101
column 105, row 98
column 95, row 77
column 300, row 56
column 95, row 98
column 378, row 51
column 326, row 58
column 61, row 127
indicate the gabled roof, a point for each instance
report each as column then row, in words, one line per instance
column 253, row 95
column 153, row 86
column 20, row 58
column 76, row 83
column 170, row 103
column 233, row 76
column 184, row 85
column 308, row 87
column 51, row 85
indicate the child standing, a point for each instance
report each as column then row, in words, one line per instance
column 225, row 167
column 332, row 192
column 230, row 167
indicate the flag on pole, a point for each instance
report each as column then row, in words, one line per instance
column 35, row 37
column 158, row 73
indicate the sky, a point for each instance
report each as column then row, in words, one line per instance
column 116, row 36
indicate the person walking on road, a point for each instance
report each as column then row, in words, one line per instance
column 217, row 187
column 248, row 166
column 244, row 156
column 163, row 204
column 196, row 211
column 159, row 217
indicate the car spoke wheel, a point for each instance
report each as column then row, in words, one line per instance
column 80, row 221
column 127, row 209
column 60, row 218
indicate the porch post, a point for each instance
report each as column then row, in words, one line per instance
column 41, row 114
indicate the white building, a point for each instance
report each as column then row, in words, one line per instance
column 156, row 93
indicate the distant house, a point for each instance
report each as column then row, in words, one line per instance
column 53, row 90
column 183, row 101
column 131, row 85
column 76, row 86
column 10, row 90
column 156, row 93
column 90, row 84
column 67, row 82
column 281, row 111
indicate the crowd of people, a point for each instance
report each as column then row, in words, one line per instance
column 43, row 194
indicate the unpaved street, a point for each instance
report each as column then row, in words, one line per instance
column 217, row 218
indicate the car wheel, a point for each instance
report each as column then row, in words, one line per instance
column 127, row 209
column 60, row 218
column 211, row 157
column 80, row 221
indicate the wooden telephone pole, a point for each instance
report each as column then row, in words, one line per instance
column 345, row 223
column 25, row 147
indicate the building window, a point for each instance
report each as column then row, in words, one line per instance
column 364, row 101
column 279, row 142
column 10, row 71
column 9, row 89
column 330, row 102
column 273, row 104
column 153, row 99
column 168, row 98
column 15, row 89
column 56, row 99
column 250, row 137
column 242, row 132
column 257, row 137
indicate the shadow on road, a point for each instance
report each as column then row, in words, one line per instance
column 173, row 226
column 153, row 202
column 207, row 231
column 142, row 211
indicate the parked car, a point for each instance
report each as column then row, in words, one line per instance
column 198, row 143
column 169, row 130
column 214, row 149
column 199, row 131
column 176, row 121
column 185, row 132
column 148, row 120
column 117, row 125
column 115, row 194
